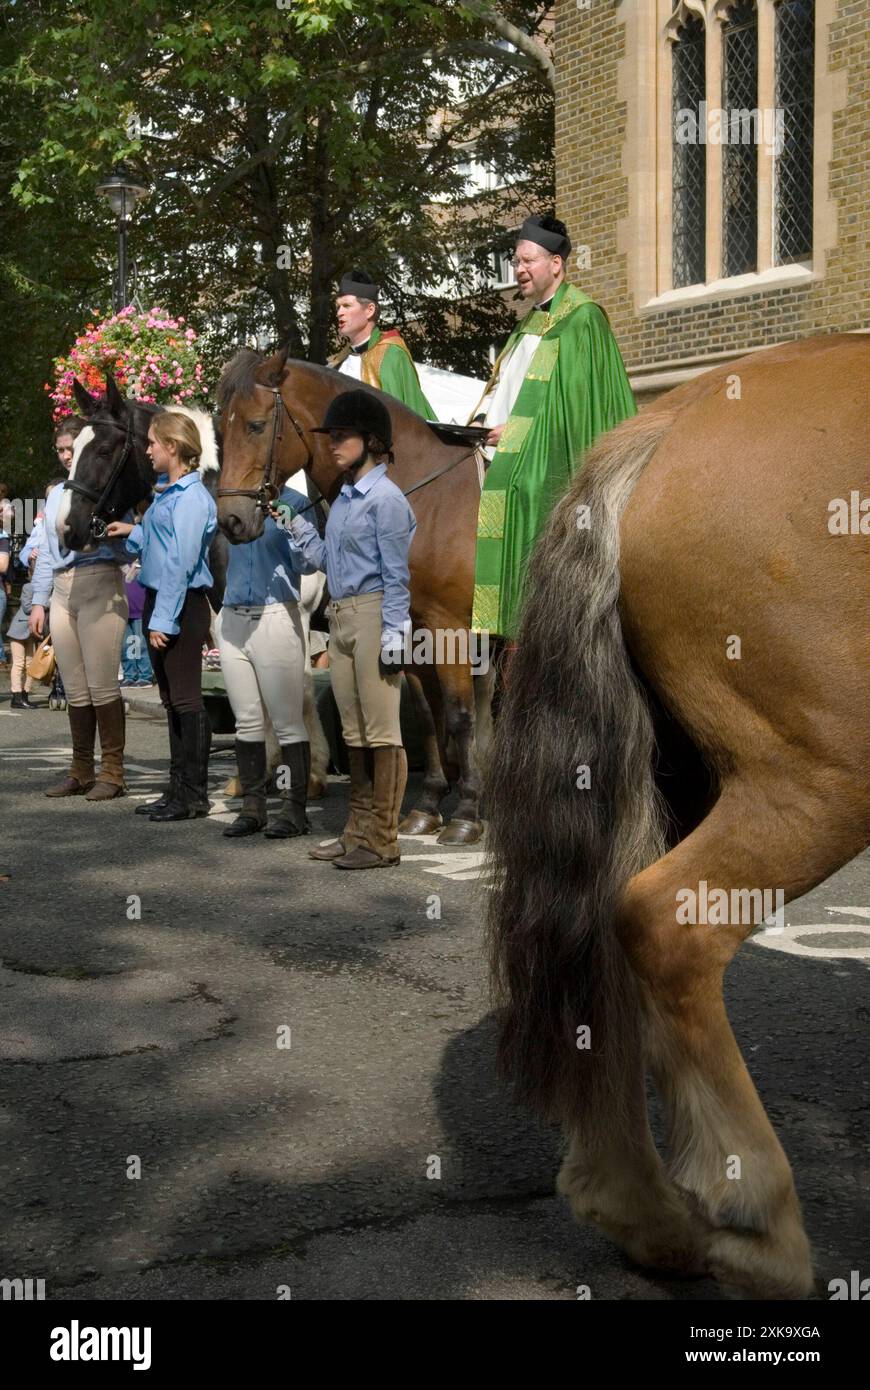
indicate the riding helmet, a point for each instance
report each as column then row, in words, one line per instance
column 359, row 410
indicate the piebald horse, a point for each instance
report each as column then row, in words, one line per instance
column 695, row 612
column 268, row 409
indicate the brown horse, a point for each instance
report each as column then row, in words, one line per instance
column 268, row 408
column 696, row 613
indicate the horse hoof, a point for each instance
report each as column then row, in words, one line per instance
column 461, row 832
column 420, row 823
column 316, row 789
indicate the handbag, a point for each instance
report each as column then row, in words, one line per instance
column 43, row 664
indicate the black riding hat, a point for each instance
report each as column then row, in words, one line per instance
column 358, row 410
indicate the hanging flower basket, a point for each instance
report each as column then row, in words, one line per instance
column 151, row 356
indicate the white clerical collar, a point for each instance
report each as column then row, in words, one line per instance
column 361, row 348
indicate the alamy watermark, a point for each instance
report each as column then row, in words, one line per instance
column 711, row 125
column 735, row 907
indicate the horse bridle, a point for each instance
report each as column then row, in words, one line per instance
column 98, row 524
column 269, row 491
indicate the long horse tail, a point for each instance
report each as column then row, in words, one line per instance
column 572, row 806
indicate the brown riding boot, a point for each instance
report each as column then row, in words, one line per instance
column 378, row 845
column 361, row 791
column 83, row 732
column 110, row 779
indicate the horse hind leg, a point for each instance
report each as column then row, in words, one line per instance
column 425, row 817
column 614, row 1177
column 724, row 1154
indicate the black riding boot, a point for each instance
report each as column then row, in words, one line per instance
column 291, row 819
column 192, row 799
column 176, row 763
column 251, row 759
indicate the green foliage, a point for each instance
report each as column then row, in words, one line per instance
column 284, row 144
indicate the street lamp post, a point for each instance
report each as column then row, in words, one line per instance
column 122, row 192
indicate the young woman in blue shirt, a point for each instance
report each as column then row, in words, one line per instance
column 173, row 542
column 365, row 556
column 262, row 647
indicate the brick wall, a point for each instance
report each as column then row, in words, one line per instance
column 592, row 198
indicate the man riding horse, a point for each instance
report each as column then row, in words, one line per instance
column 375, row 357
column 559, row 383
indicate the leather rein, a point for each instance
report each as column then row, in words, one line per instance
column 269, row 491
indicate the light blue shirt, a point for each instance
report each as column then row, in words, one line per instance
column 267, row 570
column 173, row 543
column 368, row 536
column 33, row 542
column 53, row 556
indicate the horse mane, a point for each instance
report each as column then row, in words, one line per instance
column 239, row 375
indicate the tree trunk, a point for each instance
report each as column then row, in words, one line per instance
column 322, row 246
column 270, row 229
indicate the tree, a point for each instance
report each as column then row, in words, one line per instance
column 287, row 143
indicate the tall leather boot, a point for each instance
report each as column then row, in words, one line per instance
column 291, row 820
column 192, row 800
column 378, row 846
column 176, row 763
column 110, row 779
column 251, row 761
column 83, row 731
column 361, row 790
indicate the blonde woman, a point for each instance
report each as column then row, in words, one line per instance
column 173, row 542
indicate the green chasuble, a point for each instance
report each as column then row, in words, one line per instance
column 575, row 389
column 388, row 365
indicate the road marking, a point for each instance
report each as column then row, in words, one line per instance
column 790, row 939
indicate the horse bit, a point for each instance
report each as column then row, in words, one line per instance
column 98, row 524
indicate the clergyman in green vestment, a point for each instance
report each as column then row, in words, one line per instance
column 559, row 383
column 376, row 358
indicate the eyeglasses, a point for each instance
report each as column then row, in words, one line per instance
column 517, row 261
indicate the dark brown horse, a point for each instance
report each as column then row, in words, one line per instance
column 705, row 620
column 268, row 408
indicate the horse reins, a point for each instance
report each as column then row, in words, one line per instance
column 98, row 525
column 268, row 491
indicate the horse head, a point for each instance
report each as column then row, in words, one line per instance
column 110, row 471
column 268, row 407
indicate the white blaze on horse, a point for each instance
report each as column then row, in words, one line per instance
column 691, row 616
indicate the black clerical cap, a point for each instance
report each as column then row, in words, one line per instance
column 541, row 231
column 359, row 283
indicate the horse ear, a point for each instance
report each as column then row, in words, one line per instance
column 274, row 369
column 114, row 399
column 87, row 403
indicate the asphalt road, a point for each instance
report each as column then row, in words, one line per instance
column 310, row 1167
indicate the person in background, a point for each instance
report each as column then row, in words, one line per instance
column 262, row 652
column 31, row 545
column 135, row 661
column 173, row 541
column 88, row 617
column 365, row 556
column 65, row 436
column 5, row 565
column 22, row 644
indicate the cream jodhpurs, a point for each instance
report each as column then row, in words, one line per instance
column 263, row 663
column 88, row 619
column 367, row 701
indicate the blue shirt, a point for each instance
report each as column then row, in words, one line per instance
column 267, row 570
column 368, row 536
column 33, row 542
column 173, row 542
column 53, row 556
